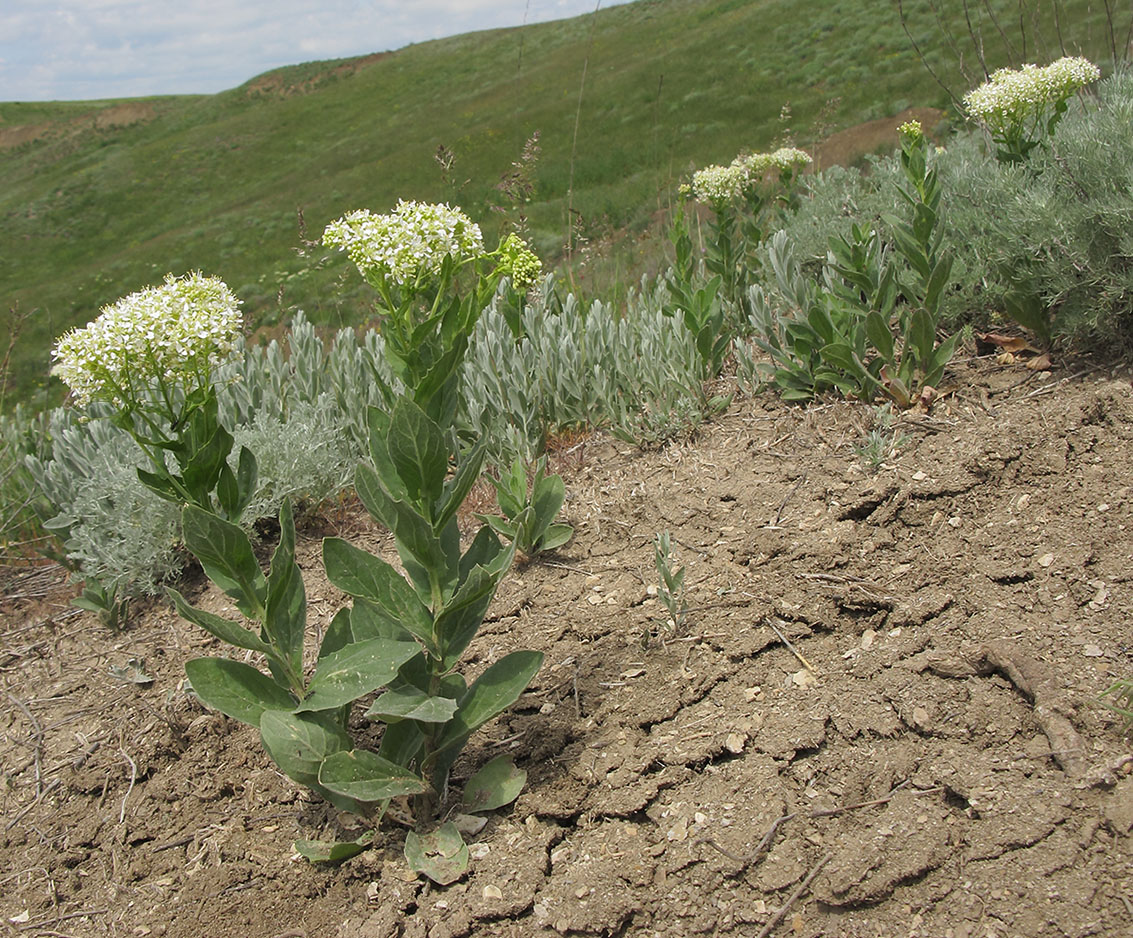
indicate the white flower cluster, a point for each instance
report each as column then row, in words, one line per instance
column 413, row 240
column 179, row 329
column 1012, row 96
column 719, row 184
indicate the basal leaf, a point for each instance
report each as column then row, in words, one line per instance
column 333, row 851
column 358, row 668
column 366, row 776
column 496, row 784
column 441, row 855
column 236, row 689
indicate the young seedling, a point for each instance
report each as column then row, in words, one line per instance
column 670, row 586
column 529, row 511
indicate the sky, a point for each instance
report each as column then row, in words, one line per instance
column 74, row 50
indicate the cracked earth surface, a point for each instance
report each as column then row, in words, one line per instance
column 877, row 720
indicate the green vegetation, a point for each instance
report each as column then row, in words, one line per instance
column 98, row 206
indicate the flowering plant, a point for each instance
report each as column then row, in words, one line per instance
column 409, row 625
column 739, row 194
column 1019, row 106
column 413, row 257
column 153, row 355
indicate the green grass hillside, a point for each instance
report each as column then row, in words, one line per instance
column 101, row 198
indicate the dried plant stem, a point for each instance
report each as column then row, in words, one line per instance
column 799, row 890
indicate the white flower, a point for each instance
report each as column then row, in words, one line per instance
column 1010, row 97
column 179, row 329
column 720, row 184
column 411, row 241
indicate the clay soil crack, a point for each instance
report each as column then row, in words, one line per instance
column 961, row 608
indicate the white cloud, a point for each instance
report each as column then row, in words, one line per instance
column 78, row 49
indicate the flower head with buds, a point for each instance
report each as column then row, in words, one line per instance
column 719, row 185
column 407, row 245
column 519, row 262
column 1013, row 104
column 911, row 131
column 179, row 330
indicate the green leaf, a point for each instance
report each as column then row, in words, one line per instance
column 224, row 629
column 877, row 330
column 413, row 532
column 409, row 703
column 203, row 469
column 359, row 573
column 921, row 336
column 366, row 776
column 339, row 633
column 358, row 668
column 441, row 855
column 300, row 742
column 496, row 784
column 492, row 692
column 226, row 555
column 236, row 689
column 417, row 449
column 458, row 487
column 333, row 851
column 160, row 485
column 555, row 536
column 285, row 619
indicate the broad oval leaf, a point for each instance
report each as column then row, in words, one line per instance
column 496, row 784
column 299, row 742
column 409, row 703
column 359, row 573
column 492, row 692
column 355, row 669
column 441, row 855
column 366, row 776
column 236, row 689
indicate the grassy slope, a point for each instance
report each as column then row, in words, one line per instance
column 213, row 182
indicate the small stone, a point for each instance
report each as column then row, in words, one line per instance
column 919, row 476
column 920, row 718
column 1046, row 560
column 735, row 743
column 493, row 892
column 581, row 892
column 954, row 522
column 868, row 637
column 1092, row 651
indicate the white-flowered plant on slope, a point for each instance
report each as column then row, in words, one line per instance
column 740, row 195
column 413, row 257
column 1021, row 107
column 153, row 354
column 409, row 625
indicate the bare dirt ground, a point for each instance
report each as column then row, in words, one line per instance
column 925, row 758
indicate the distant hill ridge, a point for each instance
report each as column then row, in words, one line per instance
column 102, row 198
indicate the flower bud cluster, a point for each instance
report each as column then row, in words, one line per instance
column 410, row 242
column 179, row 329
column 911, row 131
column 1013, row 96
column 720, row 184
column 519, row 262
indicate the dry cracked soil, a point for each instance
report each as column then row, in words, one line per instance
column 878, row 718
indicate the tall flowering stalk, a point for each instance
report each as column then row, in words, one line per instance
column 153, row 355
column 1021, row 107
column 740, row 195
column 414, row 258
